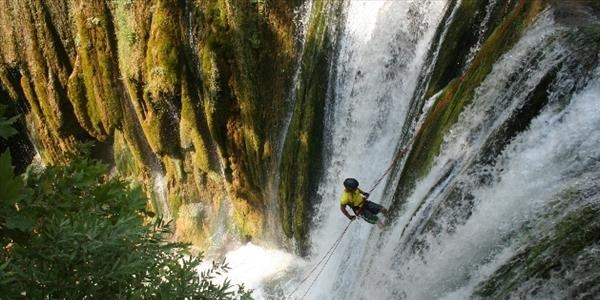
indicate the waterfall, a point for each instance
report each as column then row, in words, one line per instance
column 159, row 196
column 476, row 210
column 382, row 49
column 513, row 174
column 512, row 189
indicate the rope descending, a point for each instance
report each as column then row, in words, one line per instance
column 325, row 258
column 393, row 163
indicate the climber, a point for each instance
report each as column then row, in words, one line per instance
column 357, row 200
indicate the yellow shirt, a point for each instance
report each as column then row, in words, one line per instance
column 353, row 199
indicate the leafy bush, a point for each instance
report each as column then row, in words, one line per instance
column 70, row 232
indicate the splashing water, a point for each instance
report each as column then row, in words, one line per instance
column 256, row 267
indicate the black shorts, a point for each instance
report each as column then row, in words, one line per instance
column 369, row 211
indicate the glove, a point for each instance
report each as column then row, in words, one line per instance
column 366, row 195
column 352, row 218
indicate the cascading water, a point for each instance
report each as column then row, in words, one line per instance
column 159, row 196
column 477, row 210
column 508, row 208
column 486, row 201
column 382, row 50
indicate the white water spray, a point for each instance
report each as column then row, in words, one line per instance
column 254, row 267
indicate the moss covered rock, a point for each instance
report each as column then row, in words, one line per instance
column 301, row 160
column 458, row 92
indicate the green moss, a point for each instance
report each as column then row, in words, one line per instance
column 98, row 66
column 192, row 139
column 458, row 41
column 148, row 44
column 126, row 35
column 260, row 112
column 300, row 224
column 212, row 94
column 135, row 137
column 174, row 169
column 301, row 154
column 242, row 86
column 246, row 53
column 10, row 84
column 216, row 63
column 161, row 131
column 77, row 95
column 36, row 48
column 91, row 105
column 41, row 131
column 175, row 203
column 460, row 38
column 248, row 220
column 126, row 163
column 162, row 55
column 191, row 227
column 37, row 88
column 249, row 68
column 219, row 37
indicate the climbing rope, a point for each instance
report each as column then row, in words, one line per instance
column 324, row 264
column 393, row 163
column 325, row 258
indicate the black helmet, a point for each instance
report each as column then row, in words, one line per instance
column 351, row 183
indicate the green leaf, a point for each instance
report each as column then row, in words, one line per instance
column 6, row 128
column 7, row 131
column 10, row 185
column 20, row 222
column 4, row 265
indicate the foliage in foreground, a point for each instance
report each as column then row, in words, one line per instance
column 70, row 232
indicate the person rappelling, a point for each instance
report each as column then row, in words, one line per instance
column 357, row 200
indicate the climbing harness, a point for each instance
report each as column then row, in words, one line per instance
column 324, row 259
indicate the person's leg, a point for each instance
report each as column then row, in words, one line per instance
column 375, row 208
column 368, row 216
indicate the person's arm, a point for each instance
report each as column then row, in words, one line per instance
column 345, row 212
column 365, row 194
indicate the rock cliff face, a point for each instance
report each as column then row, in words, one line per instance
column 188, row 96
